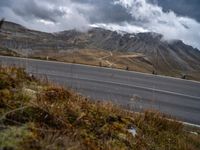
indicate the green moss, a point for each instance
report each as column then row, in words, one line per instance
column 21, row 97
column 15, row 137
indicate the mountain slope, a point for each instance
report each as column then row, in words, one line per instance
column 174, row 55
column 168, row 58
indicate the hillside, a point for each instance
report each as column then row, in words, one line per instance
column 37, row 115
column 166, row 58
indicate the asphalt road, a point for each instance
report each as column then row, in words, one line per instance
column 136, row 91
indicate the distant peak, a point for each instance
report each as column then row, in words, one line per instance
column 8, row 23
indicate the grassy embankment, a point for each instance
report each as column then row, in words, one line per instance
column 35, row 115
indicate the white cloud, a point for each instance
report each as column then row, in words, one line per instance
column 45, row 22
column 124, row 27
column 72, row 18
column 48, row 15
column 152, row 18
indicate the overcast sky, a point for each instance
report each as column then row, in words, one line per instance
column 175, row 19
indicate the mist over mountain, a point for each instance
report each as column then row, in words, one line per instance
column 173, row 19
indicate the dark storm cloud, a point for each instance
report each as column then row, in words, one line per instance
column 4, row 3
column 45, row 15
column 190, row 8
column 106, row 12
column 31, row 9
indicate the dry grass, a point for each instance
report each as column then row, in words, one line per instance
column 40, row 116
column 7, row 52
column 133, row 61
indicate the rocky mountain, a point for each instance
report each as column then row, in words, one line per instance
column 165, row 56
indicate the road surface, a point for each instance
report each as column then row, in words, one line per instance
column 136, row 91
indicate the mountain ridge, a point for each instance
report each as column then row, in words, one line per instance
column 165, row 56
